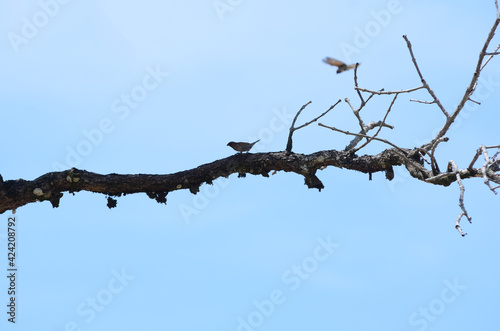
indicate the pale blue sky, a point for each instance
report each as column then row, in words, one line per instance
column 254, row 253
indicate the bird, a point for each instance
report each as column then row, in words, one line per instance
column 341, row 65
column 241, row 147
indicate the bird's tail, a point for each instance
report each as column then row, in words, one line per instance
column 255, row 142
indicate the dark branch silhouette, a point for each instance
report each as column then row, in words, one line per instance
column 420, row 161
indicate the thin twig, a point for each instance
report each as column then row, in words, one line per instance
column 356, row 84
column 356, row 113
column 490, row 56
column 472, row 85
column 317, row 118
column 349, row 103
column 421, row 101
column 388, row 92
column 292, row 128
column 460, row 200
column 457, row 224
column 369, row 126
column 434, row 165
column 431, row 92
column 380, row 127
column 400, row 151
column 476, row 102
column 361, row 135
column 474, row 159
column 371, row 95
column 479, row 151
column 486, row 167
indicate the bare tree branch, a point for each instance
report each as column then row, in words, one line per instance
column 356, row 84
column 417, row 160
column 380, row 126
column 460, row 200
column 490, row 165
column 474, row 101
column 293, row 129
column 431, row 92
column 470, row 89
column 434, row 165
column 356, row 114
column 494, row 53
column 389, row 92
column 421, row 101
column 401, row 152
column 369, row 126
column 50, row 187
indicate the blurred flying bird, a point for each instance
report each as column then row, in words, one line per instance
column 341, row 65
column 241, row 147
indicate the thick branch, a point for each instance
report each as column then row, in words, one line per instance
column 50, row 187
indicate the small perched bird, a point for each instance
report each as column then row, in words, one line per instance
column 341, row 65
column 241, row 147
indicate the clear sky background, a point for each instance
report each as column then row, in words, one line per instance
column 162, row 86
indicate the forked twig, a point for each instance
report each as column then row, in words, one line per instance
column 293, row 128
column 460, row 200
column 356, row 114
column 381, row 125
column 370, row 126
column 489, row 163
column 472, row 85
column 362, row 136
column 490, row 56
column 398, row 150
column 427, row 87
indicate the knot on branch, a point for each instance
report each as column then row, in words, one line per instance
column 73, row 175
column 55, row 198
column 111, row 203
column 194, row 188
column 160, row 197
column 52, row 196
column 312, row 181
column 389, row 173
